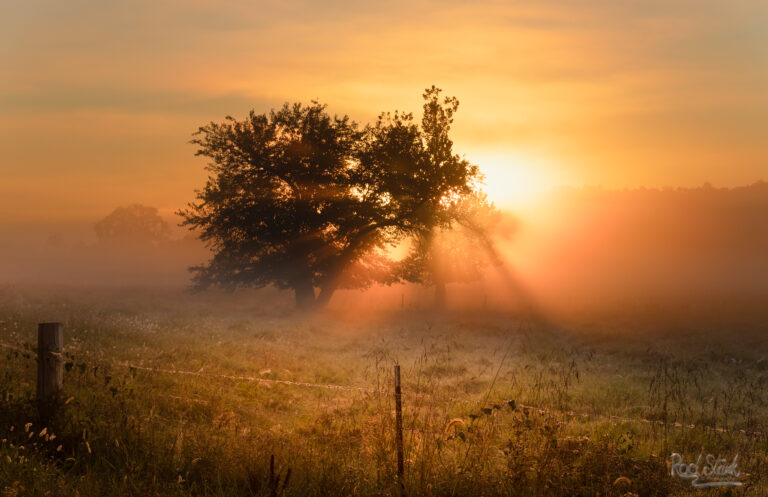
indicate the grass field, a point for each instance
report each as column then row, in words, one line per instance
column 607, row 395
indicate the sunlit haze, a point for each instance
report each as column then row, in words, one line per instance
column 98, row 100
column 513, row 181
column 367, row 248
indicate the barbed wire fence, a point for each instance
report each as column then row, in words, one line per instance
column 486, row 406
column 482, row 407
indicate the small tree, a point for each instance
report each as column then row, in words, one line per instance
column 302, row 200
column 455, row 253
column 132, row 225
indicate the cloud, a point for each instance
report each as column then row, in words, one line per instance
column 124, row 100
column 623, row 93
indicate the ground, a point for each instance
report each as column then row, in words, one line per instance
column 494, row 403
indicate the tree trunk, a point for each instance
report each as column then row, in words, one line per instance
column 325, row 295
column 441, row 294
column 305, row 294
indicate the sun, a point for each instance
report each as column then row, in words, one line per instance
column 511, row 181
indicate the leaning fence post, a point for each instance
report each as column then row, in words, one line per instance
column 50, row 371
column 399, row 430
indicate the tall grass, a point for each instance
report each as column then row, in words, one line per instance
column 127, row 431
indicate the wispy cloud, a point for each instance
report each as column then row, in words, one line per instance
column 622, row 93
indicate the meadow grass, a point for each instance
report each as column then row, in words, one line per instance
column 126, row 431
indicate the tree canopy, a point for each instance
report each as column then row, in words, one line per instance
column 456, row 252
column 303, row 200
column 132, row 225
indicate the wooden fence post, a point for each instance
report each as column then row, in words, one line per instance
column 399, row 430
column 50, row 370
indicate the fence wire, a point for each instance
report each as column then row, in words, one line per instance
column 254, row 378
column 329, row 386
column 17, row 349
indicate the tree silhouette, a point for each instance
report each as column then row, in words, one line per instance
column 132, row 225
column 457, row 252
column 302, row 200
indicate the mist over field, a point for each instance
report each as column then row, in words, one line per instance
column 402, row 248
column 692, row 252
column 622, row 326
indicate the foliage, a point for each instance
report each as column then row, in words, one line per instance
column 134, row 224
column 302, row 200
column 457, row 252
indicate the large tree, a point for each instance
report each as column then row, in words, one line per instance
column 302, row 200
column 435, row 185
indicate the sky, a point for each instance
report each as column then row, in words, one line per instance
column 98, row 100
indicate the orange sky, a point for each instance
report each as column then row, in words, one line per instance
column 98, row 99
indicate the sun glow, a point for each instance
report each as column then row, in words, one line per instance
column 512, row 181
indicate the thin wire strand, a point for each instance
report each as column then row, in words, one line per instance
column 329, row 386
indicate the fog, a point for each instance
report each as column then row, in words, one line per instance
column 691, row 252
column 604, row 249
